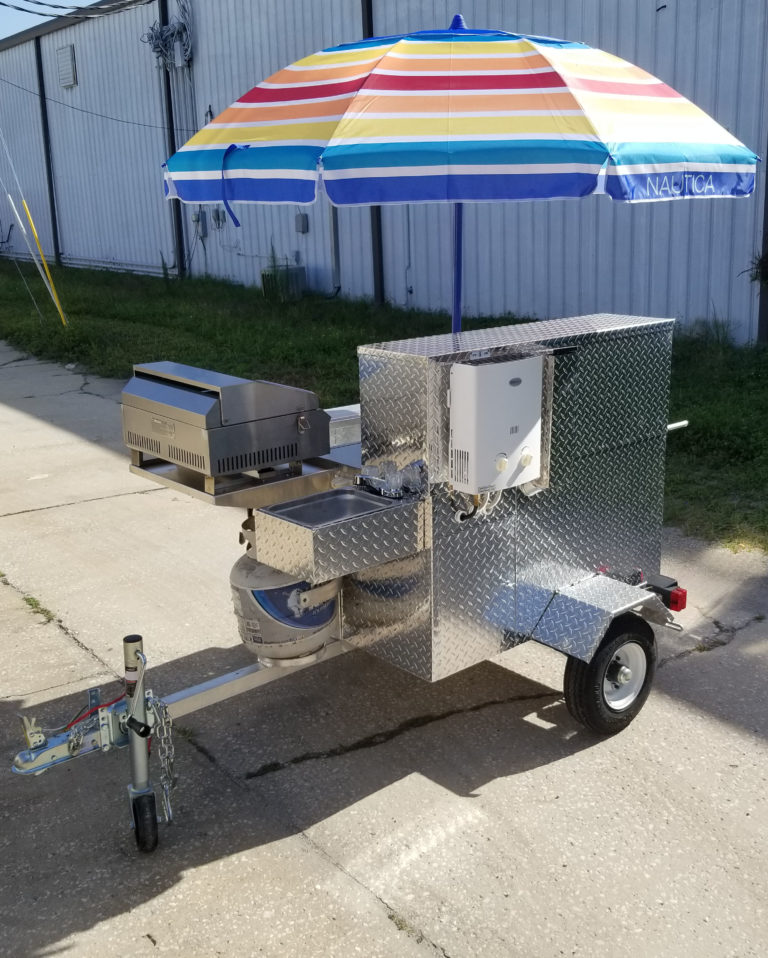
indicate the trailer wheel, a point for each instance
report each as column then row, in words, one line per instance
column 145, row 822
column 606, row 693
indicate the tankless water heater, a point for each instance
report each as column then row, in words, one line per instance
column 495, row 424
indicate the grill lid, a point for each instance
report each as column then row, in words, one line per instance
column 209, row 399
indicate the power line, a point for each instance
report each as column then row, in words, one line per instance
column 39, row 13
column 93, row 12
column 75, row 6
column 78, row 109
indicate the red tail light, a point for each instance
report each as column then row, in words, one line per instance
column 678, row 599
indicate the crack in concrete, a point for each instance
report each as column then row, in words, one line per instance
column 85, row 391
column 58, row 624
column 724, row 635
column 20, row 359
column 412, row 931
column 381, row 738
column 402, row 924
column 80, row 502
column 53, row 688
column 188, row 736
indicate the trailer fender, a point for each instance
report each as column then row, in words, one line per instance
column 577, row 617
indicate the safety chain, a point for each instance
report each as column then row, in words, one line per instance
column 165, row 751
column 75, row 738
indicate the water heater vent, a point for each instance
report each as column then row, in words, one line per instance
column 460, row 466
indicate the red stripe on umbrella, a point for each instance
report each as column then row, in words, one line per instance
column 455, row 81
column 306, row 91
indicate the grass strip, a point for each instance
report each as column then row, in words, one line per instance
column 117, row 319
column 717, row 469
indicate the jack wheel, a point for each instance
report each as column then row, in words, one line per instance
column 606, row 693
column 145, row 822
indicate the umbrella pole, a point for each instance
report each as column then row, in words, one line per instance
column 458, row 217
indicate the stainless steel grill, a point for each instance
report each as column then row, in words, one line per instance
column 219, row 425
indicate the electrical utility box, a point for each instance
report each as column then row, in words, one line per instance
column 495, row 424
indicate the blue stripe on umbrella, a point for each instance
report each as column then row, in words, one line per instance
column 246, row 190
column 654, row 153
column 456, row 188
column 455, row 36
column 477, row 152
column 256, row 157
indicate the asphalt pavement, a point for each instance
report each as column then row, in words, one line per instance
column 351, row 809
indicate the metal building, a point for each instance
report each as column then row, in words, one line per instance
column 90, row 113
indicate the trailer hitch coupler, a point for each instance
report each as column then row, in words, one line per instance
column 132, row 644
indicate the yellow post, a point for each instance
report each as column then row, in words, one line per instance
column 54, row 294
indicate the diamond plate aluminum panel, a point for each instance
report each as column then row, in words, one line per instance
column 323, row 553
column 572, row 626
column 388, row 610
column 609, row 391
column 470, row 560
column 516, row 609
column 602, row 511
column 577, row 617
column 457, row 346
column 393, row 407
column 606, row 593
column 574, row 619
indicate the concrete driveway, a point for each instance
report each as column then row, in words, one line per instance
column 351, row 809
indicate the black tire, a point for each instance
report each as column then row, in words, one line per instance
column 597, row 701
column 145, row 822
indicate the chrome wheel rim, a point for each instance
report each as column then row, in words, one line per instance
column 625, row 676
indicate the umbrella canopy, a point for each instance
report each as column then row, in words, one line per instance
column 459, row 115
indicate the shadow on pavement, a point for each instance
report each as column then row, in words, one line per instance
column 255, row 770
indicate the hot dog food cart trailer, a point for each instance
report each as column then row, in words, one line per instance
column 495, row 486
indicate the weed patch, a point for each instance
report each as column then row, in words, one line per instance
column 35, row 605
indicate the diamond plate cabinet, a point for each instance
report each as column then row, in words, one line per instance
column 479, row 587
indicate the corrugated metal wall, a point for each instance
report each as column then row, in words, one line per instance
column 108, row 145
column 545, row 259
column 20, row 122
column 563, row 257
column 238, row 43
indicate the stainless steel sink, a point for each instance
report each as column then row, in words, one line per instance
column 329, row 508
column 329, row 534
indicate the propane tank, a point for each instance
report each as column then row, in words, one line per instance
column 270, row 618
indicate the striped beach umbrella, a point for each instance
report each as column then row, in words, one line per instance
column 459, row 115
